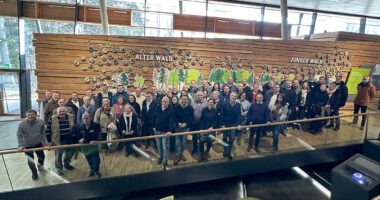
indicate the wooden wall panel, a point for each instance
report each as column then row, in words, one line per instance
column 55, row 55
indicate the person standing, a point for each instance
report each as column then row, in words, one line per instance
column 74, row 103
column 105, row 115
column 93, row 98
column 343, row 91
column 58, row 132
column 120, row 92
column 104, row 94
column 148, row 109
column 184, row 115
column 230, row 84
column 257, row 114
column 278, row 113
column 332, row 105
column 366, row 92
column 163, row 123
column 50, row 107
column 140, row 97
column 87, row 132
column 244, row 111
column 48, row 96
column 318, row 101
column 230, row 117
column 31, row 134
column 198, row 104
column 127, row 127
column 209, row 121
column 86, row 107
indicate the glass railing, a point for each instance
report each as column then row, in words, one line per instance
column 293, row 136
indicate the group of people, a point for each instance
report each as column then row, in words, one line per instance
column 125, row 114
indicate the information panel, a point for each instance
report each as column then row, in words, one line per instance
column 356, row 76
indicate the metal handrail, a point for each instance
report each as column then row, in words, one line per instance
column 182, row 133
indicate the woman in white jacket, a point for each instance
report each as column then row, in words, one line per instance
column 278, row 113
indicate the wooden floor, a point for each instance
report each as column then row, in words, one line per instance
column 116, row 164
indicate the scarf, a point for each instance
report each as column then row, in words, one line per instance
column 128, row 125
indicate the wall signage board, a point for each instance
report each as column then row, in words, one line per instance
column 355, row 77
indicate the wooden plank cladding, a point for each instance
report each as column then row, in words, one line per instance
column 345, row 36
column 69, row 63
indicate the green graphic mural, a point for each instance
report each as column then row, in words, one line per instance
column 221, row 75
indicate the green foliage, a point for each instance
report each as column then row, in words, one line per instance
column 123, row 79
column 292, row 77
column 199, row 79
column 192, row 74
column 280, row 78
column 265, row 78
column 221, row 75
column 139, row 81
column 174, row 78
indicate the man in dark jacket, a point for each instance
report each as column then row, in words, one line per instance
column 104, row 94
column 230, row 117
column 257, row 114
column 87, row 132
column 290, row 97
column 184, row 116
column 148, row 108
column 318, row 101
column 74, row 103
column 120, row 92
column 343, row 92
column 163, row 123
column 332, row 104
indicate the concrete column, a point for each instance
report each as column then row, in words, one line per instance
column 104, row 16
column 363, row 22
column 284, row 17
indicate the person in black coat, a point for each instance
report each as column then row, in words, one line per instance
column 104, row 94
column 230, row 117
column 318, row 101
column 163, row 120
column 290, row 97
column 209, row 121
column 303, row 104
column 127, row 127
column 87, row 132
column 184, row 116
column 75, row 103
column 257, row 114
column 343, row 92
column 332, row 106
column 148, row 108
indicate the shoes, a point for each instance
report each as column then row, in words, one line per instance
column 257, row 150
column 201, row 157
column 329, row 126
column 193, row 152
column 59, row 172
column 176, row 160
column 164, row 166
column 126, row 154
column 361, row 128
column 147, row 147
column 97, row 174
column 230, row 158
column 40, row 168
column 90, row 174
column 182, row 157
column 159, row 161
column 336, row 129
column 249, row 148
column 34, row 176
column 274, row 150
column 69, row 167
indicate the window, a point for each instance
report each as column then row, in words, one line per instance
column 159, row 20
column 272, row 15
column 230, row 36
column 195, row 7
column 90, row 29
column 235, row 11
column 188, row 34
column 168, row 6
column 333, row 23
column 158, row 32
column 9, row 43
column 372, row 26
column 127, row 4
column 9, row 92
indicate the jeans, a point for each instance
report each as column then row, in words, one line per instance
column 103, row 137
column 196, row 127
column 127, row 145
column 30, row 158
column 162, row 146
column 180, row 140
column 276, row 131
column 335, row 121
column 205, row 139
column 363, row 109
column 228, row 137
column 93, row 160
column 69, row 152
column 258, row 131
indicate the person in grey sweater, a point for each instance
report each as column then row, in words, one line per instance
column 244, row 103
column 31, row 134
column 198, row 104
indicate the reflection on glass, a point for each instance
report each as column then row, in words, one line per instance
column 235, row 11
column 9, row 93
column 372, row 26
column 332, row 23
column 9, row 43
